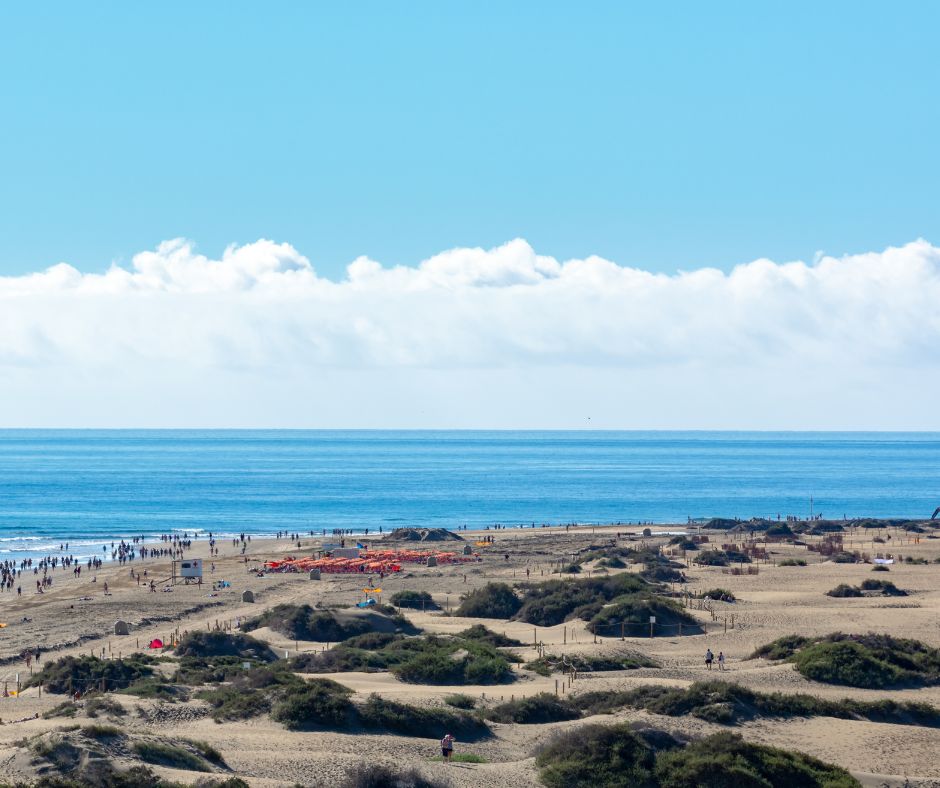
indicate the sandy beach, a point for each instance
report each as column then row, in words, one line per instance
column 75, row 616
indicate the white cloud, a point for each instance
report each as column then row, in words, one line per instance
column 176, row 326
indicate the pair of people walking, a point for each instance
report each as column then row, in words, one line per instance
column 709, row 658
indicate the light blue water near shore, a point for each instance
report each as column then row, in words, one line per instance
column 89, row 486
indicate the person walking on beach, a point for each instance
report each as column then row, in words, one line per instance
column 447, row 747
column 721, row 660
column 708, row 658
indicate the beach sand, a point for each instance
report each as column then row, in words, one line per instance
column 75, row 617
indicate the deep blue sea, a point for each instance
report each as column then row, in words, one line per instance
column 88, row 486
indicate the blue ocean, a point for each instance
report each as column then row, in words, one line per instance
column 90, row 486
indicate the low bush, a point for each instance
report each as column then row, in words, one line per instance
column 88, row 674
column 461, row 701
column 171, row 755
column 729, row 704
column 494, row 600
column 781, row 648
column 231, row 704
column 613, row 756
column 99, row 731
column 844, row 590
column 102, row 704
column 443, row 660
column 720, row 594
column 590, row 663
column 793, row 562
column 663, row 574
column 156, row 688
column 319, row 703
column 880, row 568
column 848, row 663
column 251, row 692
column 302, row 622
column 430, row 722
column 420, row 600
column 844, row 558
column 376, row 775
column 725, row 759
column 634, row 612
column 481, row 633
column 431, row 659
column 712, row 558
column 554, row 601
column 620, row 756
column 223, row 644
column 534, row 710
column 869, row 661
column 884, row 587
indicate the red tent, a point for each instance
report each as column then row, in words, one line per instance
column 156, row 643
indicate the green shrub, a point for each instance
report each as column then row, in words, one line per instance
column 421, row 600
column 494, row 600
column 461, row 701
column 229, row 703
column 533, row 710
column 87, row 674
column 662, row 574
column 204, row 645
column 407, row 720
column 594, row 755
column 590, row 663
column 64, row 709
column 377, row 775
column 372, row 640
column 844, row 558
column 153, row 687
column 781, row 648
column 886, row 587
column 847, row 663
column 340, row 659
column 432, row 659
column 302, row 622
column 207, row 751
column 711, row 558
column 635, row 610
column 725, row 759
column 880, row 568
column 480, row 632
column 727, row 703
column 102, row 704
column 99, row 731
column 844, row 590
column 554, row 601
column 319, row 703
column 440, row 660
column 161, row 754
column 869, row 660
column 461, row 757
column 720, row 594
column 793, row 562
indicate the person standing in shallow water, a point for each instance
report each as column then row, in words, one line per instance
column 708, row 658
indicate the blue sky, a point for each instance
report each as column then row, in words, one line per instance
column 513, row 215
column 660, row 136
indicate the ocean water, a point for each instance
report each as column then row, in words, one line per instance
column 89, row 486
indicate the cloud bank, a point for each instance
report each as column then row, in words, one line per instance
column 176, row 331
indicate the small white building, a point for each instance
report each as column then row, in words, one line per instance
column 190, row 569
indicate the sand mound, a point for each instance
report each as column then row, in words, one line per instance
column 424, row 535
